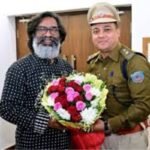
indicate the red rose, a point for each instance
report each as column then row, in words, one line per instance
column 72, row 109
column 62, row 81
column 78, row 98
column 61, row 88
column 75, row 115
column 71, row 84
column 75, row 86
column 79, row 88
column 63, row 100
column 52, row 88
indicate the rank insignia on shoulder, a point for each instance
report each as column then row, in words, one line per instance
column 137, row 77
column 92, row 57
column 128, row 54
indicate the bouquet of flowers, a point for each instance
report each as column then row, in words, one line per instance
column 76, row 101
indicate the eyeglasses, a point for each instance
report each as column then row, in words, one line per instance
column 43, row 30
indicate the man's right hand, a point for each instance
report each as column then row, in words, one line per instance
column 53, row 123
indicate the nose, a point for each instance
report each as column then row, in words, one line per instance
column 101, row 33
column 49, row 32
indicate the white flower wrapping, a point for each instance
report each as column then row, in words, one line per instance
column 76, row 101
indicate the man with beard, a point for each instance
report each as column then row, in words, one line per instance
column 24, row 78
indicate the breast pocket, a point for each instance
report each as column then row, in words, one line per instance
column 119, row 89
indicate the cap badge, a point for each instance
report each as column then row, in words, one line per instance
column 102, row 14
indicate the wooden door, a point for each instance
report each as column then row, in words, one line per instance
column 78, row 45
column 22, row 38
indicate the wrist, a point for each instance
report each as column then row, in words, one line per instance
column 107, row 128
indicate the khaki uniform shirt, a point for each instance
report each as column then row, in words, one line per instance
column 128, row 101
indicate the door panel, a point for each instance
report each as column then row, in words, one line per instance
column 78, row 41
column 22, row 39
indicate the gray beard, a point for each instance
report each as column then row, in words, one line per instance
column 46, row 52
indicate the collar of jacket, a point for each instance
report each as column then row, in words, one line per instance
column 114, row 55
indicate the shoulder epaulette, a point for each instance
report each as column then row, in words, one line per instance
column 128, row 54
column 92, row 57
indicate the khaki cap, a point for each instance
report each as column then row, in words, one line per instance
column 101, row 13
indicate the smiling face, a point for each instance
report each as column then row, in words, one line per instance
column 105, row 36
column 46, row 42
column 47, row 31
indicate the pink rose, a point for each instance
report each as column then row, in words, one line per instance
column 80, row 105
column 86, row 87
column 75, row 94
column 69, row 90
column 55, row 82
column 57, row 106
column 70, row 97
column 54, row 95
column 88, row 96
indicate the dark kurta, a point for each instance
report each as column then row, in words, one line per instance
column 22, row 85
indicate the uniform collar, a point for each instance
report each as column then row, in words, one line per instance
column 115, row 52
column 114, row 55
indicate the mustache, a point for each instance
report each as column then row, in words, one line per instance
column 54, row 40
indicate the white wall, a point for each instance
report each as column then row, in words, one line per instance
column 140, row 23
column 7, row 56
column 140, row 28
column 32, row 6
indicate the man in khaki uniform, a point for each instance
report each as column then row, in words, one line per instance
column 128, row 101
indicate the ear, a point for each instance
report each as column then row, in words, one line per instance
column 118, row 31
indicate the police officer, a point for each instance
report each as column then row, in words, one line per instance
column 128, row 100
